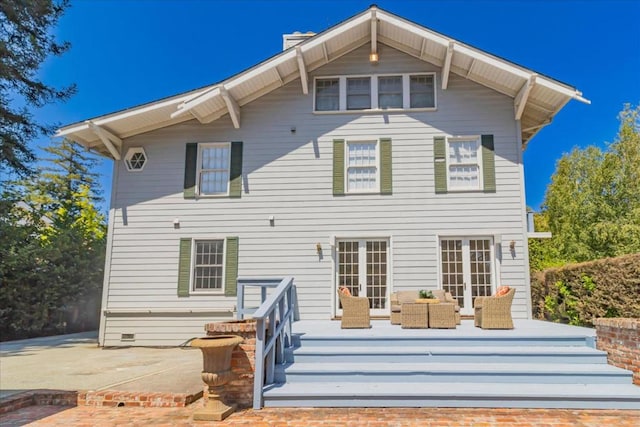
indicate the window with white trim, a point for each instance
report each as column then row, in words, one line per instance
column 421, row 91
column 135, row 159
column 208, row 266
column 464, row 163
column 375, row 92
column 390, row 92
column 213, row 169
column 327, row 94
column 362, row 167
column 358, row 93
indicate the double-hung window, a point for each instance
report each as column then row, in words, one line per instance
column 362, row 167
column 390, row 92
column 208, row 266
column 375, row 92
column 464, row 163
column 358, row 93
column 213, row 169
column 421, row 91
column 327, row 94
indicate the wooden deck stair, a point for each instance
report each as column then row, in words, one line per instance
column 536, row 365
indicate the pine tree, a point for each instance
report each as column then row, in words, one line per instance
column 26, row 41
column 53, row 249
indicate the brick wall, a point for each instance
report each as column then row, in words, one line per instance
column 620, row 338
column 240, row 389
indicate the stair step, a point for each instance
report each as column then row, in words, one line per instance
column 428, row 354
column 457, row 395
column 368, row 372
column 411, row 339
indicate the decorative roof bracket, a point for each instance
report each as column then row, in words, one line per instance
column 232, row 106
column 111, row 141
column 446, row 67
column 304, row 78
column 521, row 98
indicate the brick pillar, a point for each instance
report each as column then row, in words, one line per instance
column 620, row 338
column 240, row 389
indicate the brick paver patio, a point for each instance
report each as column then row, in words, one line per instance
column 333, row 417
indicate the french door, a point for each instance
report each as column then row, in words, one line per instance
column 362, row 267
column 467, row 269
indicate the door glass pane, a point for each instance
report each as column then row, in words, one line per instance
column 480, row 258
column 452, row 275
column 376, row 279
column 348, row 272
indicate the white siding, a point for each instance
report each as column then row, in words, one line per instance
column 289, row 175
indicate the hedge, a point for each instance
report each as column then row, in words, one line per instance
column 579, row 293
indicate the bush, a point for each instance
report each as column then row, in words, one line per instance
column 579, row 293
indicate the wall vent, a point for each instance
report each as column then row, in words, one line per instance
column 128, row 337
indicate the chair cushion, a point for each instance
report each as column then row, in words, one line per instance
column 407, row 296
column 439, row 294
column 344, row 291
column 502, row 290
column 396, row 308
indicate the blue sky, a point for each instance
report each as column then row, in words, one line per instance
column 125, row 53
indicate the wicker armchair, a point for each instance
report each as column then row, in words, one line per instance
column 355, row 312
column 494, row 312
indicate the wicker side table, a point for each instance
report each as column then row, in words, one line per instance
column 442, row 316
column 415, row 315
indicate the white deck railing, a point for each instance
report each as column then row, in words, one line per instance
column 273, row 330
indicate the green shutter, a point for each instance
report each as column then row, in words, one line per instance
column 488, row 164
column 440, row 164
column 235, row 172
column 184, row 267
column 231, row 267
column 338, row 167
column 190, row 166
column 386, row 173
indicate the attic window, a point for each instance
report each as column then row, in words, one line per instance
column 375, row 93
column 135, row 159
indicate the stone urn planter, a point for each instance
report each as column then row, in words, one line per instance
column 216, row 372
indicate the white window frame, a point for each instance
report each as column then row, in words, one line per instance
column 202, row 146
column 130, row 153
column 465, row 138
column 192, row 280
column 315, row 92
column 406, row 96
column 346, row 166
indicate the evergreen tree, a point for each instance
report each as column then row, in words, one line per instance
column 25, row 42
column 52, row 248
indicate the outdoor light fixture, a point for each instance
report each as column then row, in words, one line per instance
column 373, row 57
column 318, row 248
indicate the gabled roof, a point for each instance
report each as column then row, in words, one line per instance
column 537, row 98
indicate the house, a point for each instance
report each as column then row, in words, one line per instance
column 377, row 154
